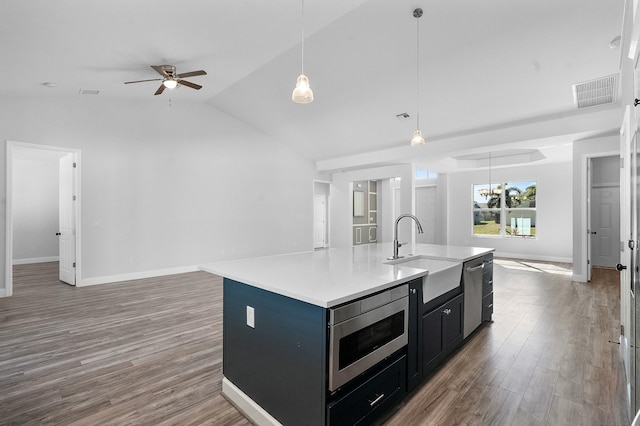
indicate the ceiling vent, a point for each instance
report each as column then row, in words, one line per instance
column 600, row 91
column 89, row 91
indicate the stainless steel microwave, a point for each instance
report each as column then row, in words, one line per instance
column 364, row 332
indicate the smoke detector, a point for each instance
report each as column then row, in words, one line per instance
column 600, row 91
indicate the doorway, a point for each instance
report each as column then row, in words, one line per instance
column 321, row 192
column 603, row 212
column 65, row 231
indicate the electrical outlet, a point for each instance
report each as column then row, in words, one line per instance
column 251, row 317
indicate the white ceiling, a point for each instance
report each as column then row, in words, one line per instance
column 495, row 75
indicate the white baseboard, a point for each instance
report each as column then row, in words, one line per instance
column 3, row 292
column 246, row 405
column 135, row 276
column 35, row 260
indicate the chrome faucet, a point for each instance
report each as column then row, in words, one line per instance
column 396, row 244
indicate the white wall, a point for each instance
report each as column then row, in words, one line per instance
column 166, row 188
column 35, row 210
column 553, row 211
column 582, row 150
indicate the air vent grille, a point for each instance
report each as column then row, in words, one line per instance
column 89, row 91
column 600, row 91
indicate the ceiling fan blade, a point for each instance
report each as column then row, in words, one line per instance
column 142, row 81
column 160, row 70
column 191, row 74
column 189, row 84
column 160, row 90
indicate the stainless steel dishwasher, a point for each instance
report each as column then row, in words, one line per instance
column 472, row 276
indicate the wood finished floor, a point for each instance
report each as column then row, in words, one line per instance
column 149, row 352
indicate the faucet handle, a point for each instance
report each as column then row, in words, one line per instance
column 400, row 244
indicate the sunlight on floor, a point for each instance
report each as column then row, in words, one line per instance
column 535, row 266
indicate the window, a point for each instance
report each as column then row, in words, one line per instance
column 425, row 174
column 505, row 210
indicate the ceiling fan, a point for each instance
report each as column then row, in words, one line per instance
column 170, row 79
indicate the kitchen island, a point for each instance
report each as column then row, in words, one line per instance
column 280, row 358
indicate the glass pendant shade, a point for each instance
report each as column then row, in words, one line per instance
column 302, row 94
column 170, row 83
column 417, row 138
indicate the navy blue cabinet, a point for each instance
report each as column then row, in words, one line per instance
column 442, row 330
column 280, row 362
column 487, row 288
column 371, row 398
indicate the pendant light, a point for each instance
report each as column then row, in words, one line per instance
column 488, row 192
column 302, row 94
column 417, row 134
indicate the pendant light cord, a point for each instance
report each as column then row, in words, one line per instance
column 490, row 190
column 418, row 69
column 302, row 67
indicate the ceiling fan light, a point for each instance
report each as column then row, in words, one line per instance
column 417, row 138
column 170, row 83
column 302, row 94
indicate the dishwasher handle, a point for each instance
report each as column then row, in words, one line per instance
column 476, row 268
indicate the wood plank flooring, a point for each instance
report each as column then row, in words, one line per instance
column 149, row 352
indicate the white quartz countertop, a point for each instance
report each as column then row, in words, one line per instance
column 331, row 277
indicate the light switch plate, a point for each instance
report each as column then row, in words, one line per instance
column 251, row 317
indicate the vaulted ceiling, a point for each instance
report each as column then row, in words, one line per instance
column 495, row 76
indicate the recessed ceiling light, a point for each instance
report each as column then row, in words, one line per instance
column 49, row 84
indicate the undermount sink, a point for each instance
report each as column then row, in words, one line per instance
column 444, row 275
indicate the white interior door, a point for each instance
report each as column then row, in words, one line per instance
column 605, row 226
column 319, row 221
column 67, row 231
column 426, row 212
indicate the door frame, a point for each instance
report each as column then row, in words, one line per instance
column 11, row 146
column 589, row 220
column 585, row 214
column 327, row 207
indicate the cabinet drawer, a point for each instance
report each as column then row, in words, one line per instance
column 487, row 307
column 488, row 263
column 487, row 285
column 371, row 398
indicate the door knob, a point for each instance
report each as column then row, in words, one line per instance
column 620, row 267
